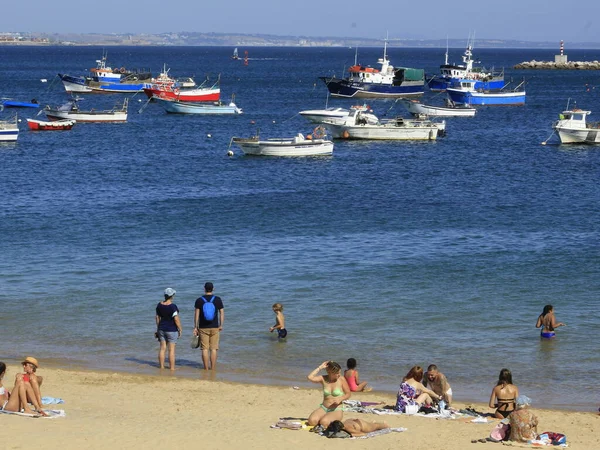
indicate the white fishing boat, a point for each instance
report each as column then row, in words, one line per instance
column 177, row 107
column 9, row 130
column 450, row 109
column 573, row 128
column 312, row 145
column 71, row 110
column 356, row 126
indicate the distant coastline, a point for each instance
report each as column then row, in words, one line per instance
column 259, row 40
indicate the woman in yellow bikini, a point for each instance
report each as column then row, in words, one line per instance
column 335, row 391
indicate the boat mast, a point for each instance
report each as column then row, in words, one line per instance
column 446, row 60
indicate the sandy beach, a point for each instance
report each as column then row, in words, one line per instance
column 120, row 410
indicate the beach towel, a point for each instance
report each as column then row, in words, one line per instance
column 380, row 432
column 534, row 444
column 52, row 401
column 52, row 414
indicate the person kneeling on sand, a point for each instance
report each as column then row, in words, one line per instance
column 523, row 423
column 438, row 383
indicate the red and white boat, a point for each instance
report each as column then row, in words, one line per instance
column 42, row 125
column 168, row 88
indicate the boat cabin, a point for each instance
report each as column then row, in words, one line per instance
column 574, row 118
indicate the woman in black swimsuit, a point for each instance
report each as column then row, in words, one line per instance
column 504, row 395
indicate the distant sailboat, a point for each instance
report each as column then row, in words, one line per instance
column 235, row 54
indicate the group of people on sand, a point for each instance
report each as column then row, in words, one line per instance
column 26, row 389
column 414, row 392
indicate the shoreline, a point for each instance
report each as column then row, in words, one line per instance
column 196, row 373
column 120, row 410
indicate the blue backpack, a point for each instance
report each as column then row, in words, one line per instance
column 208, row 309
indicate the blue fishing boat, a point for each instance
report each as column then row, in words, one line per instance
column 369, row 82
column 464, row 92
column 104, row 78
column 451, row 72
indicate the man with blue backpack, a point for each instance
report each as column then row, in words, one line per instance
column 208, row 322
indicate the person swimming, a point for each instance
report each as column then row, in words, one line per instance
column 547, row 322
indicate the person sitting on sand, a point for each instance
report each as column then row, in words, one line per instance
column 335, row 391
column 356, row 427
column 438, row 383
column 412, row 392
column 4, row 394
column 547, row 322
column 23, row 391
column 523, row 423
column 504, row 395
column 351, row 376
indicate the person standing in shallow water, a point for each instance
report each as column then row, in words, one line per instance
column 168, row 328
column 547, row 322
column 209, row 328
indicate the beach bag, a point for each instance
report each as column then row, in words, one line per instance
column 500, row 432
column 195, row 342
column 208, row 309
column 556, row 438
column 411, row 409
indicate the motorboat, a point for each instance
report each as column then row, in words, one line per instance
column 179, row 107
column 71, row 110
column 449, row 109
column 9, row 130
column 572, row 127
column 319, row 115
column 299, row 145
column 55, row 125
column 463, row 91
column 369, row 82
column 196, row 94
column 357, row 127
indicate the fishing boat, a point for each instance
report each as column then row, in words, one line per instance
column 299, row 145
column 355, row 126
column 71, row 110
column 57, row 125
column 463, row 91
column 449, row 109
column 179, row 107
column 9, row 130
column 572, row 127
column 104, row 78
column 170, row 91
column 18, row 104
column 450, row 72
column 369, row 82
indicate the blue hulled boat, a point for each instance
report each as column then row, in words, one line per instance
column 368, row 82
column 452, row 72
column 465, row 92
column 106, row 79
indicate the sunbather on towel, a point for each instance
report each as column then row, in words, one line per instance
column 335, row 391
column 359, row 427
column 22, row 393
column 4, row 394
column 412, row 392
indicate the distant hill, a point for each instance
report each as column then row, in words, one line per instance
column 266, row 40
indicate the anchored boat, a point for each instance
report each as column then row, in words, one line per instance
column 572, row 127
column 368, row 82
column 71, row 110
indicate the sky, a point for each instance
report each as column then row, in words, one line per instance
column 528, row 20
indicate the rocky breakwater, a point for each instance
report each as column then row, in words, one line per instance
column 550, row 65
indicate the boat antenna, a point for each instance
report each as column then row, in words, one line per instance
column 446, row 63
column 355, row 56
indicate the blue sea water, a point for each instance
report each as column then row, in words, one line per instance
column 393, row 253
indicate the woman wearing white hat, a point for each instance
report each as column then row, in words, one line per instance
column 168, row 328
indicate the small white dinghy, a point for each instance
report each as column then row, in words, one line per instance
column 312, row 145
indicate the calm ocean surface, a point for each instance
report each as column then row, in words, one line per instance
column 392, row 253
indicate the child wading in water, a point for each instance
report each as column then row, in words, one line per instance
column 351, row 375
column 279, row 321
